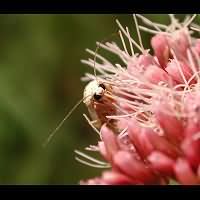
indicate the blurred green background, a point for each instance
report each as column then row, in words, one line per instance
column 40, row 73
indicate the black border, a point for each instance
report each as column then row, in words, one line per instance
column 100, row 6
column 95, row 192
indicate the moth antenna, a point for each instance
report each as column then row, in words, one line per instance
column 97, row 48
column 95, row 73
column 62, row 122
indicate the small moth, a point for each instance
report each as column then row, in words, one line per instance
column 99, row 101
column 98, row 98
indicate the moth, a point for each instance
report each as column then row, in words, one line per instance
column 99, row 100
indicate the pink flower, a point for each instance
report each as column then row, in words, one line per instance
column 157, row 137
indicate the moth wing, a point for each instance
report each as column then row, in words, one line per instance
column 95, row 119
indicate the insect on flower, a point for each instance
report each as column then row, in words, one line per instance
column 161, row 143
column 98, row 98
column 99, row 101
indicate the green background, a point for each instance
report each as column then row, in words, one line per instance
column 40, row 73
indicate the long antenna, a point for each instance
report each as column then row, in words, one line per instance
column 97, row 48
column 95, row 73
column 78, row 103
column 62, row 122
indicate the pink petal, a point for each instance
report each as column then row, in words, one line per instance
column 171, row 125
column 93, row 181
column 174, row 71
column 184, row 173
column 197, row 46
column 198, row 172
column 133, row 168
column 179, row 43
column 116, row 178
column 162, row 144
column 192, row 109
column 159, row 44
column 191, row 148
column 110, row 141
column 146, row 60
column 162, row 163
column 191, row 128
column 102, row 150
column 139, row 139
column 154, row 74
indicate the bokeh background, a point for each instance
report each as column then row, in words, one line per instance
column 40, row 73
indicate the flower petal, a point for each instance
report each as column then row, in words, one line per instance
column 184, row 173
column 162, row 163
column 139, row 139
column 110, row 141
column 134, row 168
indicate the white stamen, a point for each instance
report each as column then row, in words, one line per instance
column 104, row 67
column 190, row 21
column 195, row 28
column 91, row 64
column 125, row 33
column 138, row 31
column 149, row 22
column 174, row 22
column 120, row 68
column 129, row 39
column 113, row 50
column 123, row 42
column 138, row 97
column 99, row 67
column 92, row 148
column 186, row 20
column 148, row 30
column 115, row 47
column 99, row 56
column 90, row 158
column 120, row 116
column 119, row 108
column 123, row 133
column 91, row 164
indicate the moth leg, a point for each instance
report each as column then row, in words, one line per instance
column 96, row 123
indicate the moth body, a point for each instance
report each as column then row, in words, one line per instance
column 98, row 99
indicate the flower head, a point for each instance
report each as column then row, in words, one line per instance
column 157, row 102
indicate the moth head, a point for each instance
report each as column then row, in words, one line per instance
column 94, row 91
